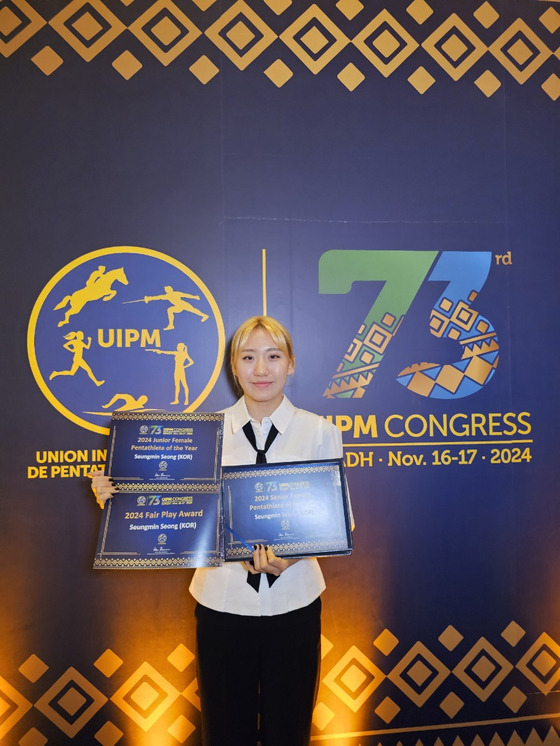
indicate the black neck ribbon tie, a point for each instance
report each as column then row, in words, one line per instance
column 255, row 580
column 261, row 452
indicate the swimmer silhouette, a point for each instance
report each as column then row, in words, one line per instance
column 129, row 402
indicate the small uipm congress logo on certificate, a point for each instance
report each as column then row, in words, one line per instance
column 123, row 329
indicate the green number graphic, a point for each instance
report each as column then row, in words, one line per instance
column 402, row 274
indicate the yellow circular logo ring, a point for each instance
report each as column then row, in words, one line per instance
column 125, row 328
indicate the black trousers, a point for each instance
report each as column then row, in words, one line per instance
column 258, row 676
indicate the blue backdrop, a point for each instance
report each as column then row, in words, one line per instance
column 383, row 178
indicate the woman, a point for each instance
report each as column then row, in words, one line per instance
column 182, row 361
column 76, row 346
column 258, row 644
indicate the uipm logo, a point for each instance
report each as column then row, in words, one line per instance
column 125, row 328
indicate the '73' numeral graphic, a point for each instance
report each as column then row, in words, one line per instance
column 452, row 317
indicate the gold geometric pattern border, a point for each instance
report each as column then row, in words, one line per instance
column 70, row 703
column 350, row 40
column 450, row 673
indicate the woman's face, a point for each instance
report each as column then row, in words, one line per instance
column 261, row 369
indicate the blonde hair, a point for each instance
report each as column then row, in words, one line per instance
column 278, row 332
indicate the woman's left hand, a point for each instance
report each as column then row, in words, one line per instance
column 264, row 560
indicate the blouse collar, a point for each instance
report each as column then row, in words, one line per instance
column 280, row 418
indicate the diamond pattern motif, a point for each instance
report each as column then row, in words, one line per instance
column 520, row 51
column 385, row 43
column 71, row 702
column 87, row 26
column 419, row 674
column 19, row 22
column 165, row 31
column 454, row 47
column 387, row 682
column 241, row 34
column 314, row 38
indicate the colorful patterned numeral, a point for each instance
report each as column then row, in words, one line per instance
column 452, row 317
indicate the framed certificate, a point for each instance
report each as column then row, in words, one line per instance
column 299, row 509
column 165, row 447
column 142, row 530
column 167, row 513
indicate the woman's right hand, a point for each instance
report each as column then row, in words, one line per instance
column 102, row 487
